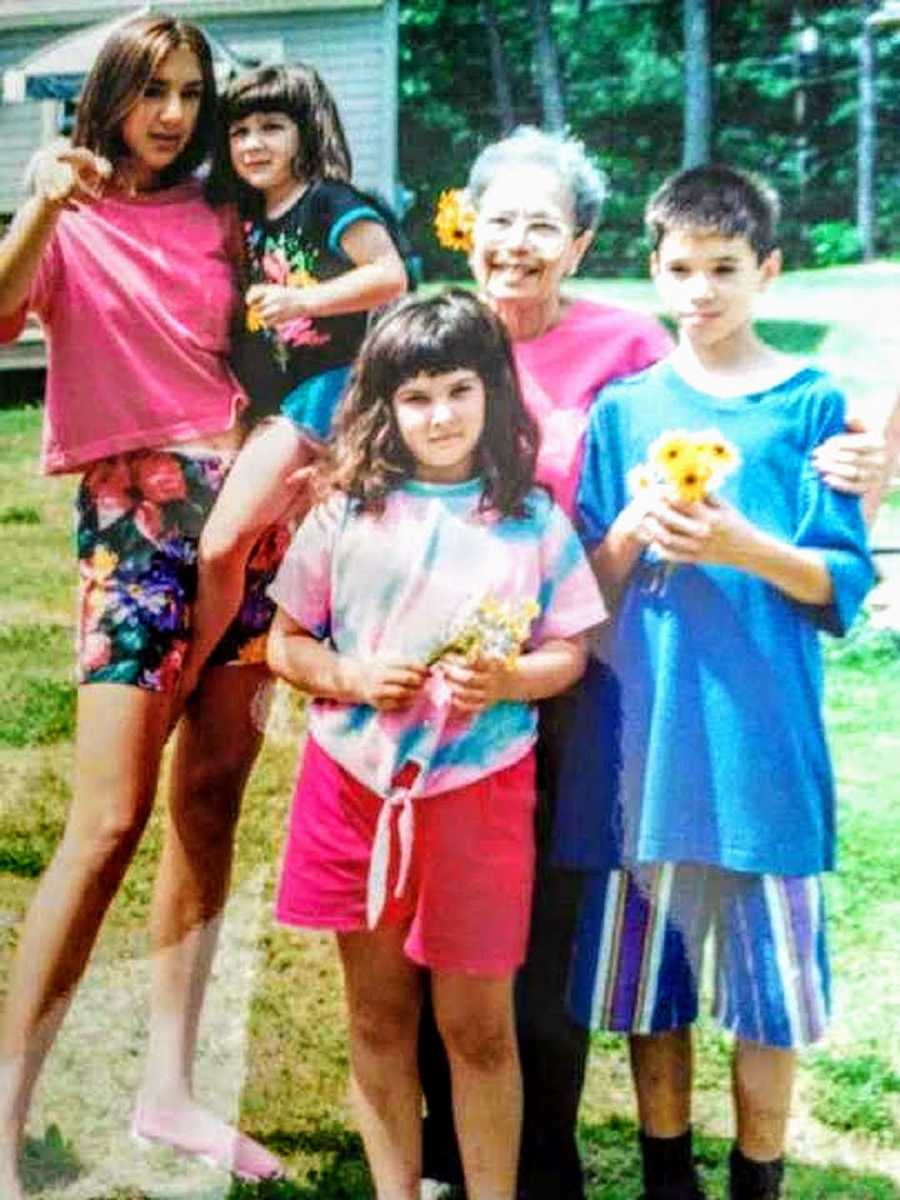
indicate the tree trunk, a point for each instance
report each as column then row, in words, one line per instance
column 506, row 115
column 866, row 136
column 697, row 84
column 546, row 63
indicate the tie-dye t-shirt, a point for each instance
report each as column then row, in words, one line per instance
column 390, row 585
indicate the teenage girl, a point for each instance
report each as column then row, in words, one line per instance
column 412, row 827
column 318, row 257
column 129, row 270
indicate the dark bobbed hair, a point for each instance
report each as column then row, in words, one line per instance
column 299, row 92
column 715, row 199
column 431, row 335
column 122, row 70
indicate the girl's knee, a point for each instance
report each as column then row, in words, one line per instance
column 484, row 1042
column 106, row 841
column 383, row 1027
column 224, row 545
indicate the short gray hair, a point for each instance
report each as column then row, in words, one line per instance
column 564, row 157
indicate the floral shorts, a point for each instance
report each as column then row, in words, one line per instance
column 138, row 522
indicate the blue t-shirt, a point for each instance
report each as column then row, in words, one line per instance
column 699, row 736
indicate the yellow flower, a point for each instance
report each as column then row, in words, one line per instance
column 103, row 563
column 301, row 278
column 670, row 450
column 254, row 321
column 691, row 478
column 454, row 220
column 717, row 451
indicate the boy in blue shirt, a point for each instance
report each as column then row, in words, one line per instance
column 723, row 815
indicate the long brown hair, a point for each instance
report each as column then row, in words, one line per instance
column 300, row 93
column 122, row 70
column 433, row 335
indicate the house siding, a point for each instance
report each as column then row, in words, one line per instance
column 354, row 49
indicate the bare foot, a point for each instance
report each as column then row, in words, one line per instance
column 189, row 1128
column 10, row 1187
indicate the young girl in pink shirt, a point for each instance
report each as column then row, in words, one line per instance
column 130, row 272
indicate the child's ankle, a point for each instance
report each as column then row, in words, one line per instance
column 668, row 1168
column 753, row 1180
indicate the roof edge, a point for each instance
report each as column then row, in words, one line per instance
column 22, row 14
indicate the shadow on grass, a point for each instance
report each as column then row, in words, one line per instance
column 612, row 1167
column 49, row 1161
column 609, row 1151
column 344, row 1175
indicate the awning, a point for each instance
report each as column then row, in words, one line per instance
column 57, row 71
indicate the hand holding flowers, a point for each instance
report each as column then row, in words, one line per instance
column 480, row 650
column 477, row 683
column 674, row 508
column 272, row 303
column 708, row 530
column 388, row 685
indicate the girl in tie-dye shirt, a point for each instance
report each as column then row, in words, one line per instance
column 412, row 833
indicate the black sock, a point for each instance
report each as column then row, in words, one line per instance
column 668, row 1164
column 752, row 1180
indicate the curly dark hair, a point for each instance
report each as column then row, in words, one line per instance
column 432, row 335
column 300, row 93
column 122, row 70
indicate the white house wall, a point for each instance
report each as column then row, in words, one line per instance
column 355, row 49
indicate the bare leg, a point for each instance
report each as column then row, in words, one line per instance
column 475, row 1018
column 257, row 493
column 661, row 1067
column 119, row 737
column 762, row 1082
column 383, row 996
column 218, row 740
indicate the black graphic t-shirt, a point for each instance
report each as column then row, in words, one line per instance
column 299, row 248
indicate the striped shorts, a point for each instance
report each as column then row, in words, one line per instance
column 638, row 953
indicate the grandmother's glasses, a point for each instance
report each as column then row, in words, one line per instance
column 541, row 234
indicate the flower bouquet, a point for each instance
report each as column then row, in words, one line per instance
column 489, row 628
column 686, row 466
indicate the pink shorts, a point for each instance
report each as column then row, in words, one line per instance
column 467, row 898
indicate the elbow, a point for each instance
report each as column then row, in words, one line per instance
column 395, row 280
column 12, row 317
column 579, row 660
column 275, row 654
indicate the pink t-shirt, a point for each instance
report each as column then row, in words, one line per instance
column 135, row 296
column 562, row 371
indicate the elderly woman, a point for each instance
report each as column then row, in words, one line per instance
column 537, row 200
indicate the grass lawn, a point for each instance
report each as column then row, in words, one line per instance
column 273, row 1051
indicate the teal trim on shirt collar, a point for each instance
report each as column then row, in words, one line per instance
column 467, row 487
